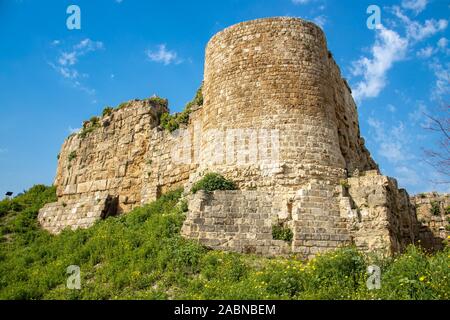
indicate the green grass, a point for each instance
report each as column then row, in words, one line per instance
column 141, row 255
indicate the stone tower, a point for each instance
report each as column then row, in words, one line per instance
column 279, row 120
column 278, row 75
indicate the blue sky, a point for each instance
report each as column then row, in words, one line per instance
column 52, row 78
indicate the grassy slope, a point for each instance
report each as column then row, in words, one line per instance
column 142, row 256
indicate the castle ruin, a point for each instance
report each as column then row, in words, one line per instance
column 279, row 120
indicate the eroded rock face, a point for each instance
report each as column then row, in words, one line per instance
column 279, row 120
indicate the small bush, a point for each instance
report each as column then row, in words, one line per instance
column 280, row 232
column 107, row 111
column 72, row 156
column 173, row 122
column 211, row 182
column 435, row 209
column 344, row 183
column 89, row 126
column 158, row 101
column 447, row 210
column 94, row 121
column 122, row 105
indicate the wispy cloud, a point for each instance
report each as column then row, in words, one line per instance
column 73, row 130
column 320, row 20
column 418, row 115
column 388, row 48
column 392, row 141
column 301, row 1
column 441, row 86
column 425, row 52
column 163, row 55
column 67, row 60
column 417, row 31
column 415, row 5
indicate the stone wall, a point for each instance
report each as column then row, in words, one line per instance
column 433, row 214
column 367, row 210
column 279, row 120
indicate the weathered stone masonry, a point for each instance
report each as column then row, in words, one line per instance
column 311, row 173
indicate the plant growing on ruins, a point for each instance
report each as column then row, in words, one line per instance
column 281, row 232
column 435, row 208
column 172, row 122
column 344, row 183
column 122, row 105
column 158, row 101
column 72, row 156
column 89, row 126
column 447, row 210
column 213, row 181
column 107, row 111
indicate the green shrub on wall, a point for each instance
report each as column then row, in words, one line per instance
column 172, row 122
column 213, row 181
column 435, row 209
column 72, row 156
column 281, row 232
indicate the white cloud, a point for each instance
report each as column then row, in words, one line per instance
column 67, row 61
column 417, row 31
column 407, row 176
column 388, row 48
column 3, row 150
column 425, row 52
column 391, row 141
column 320, row 20
column 442, row 84
column 87, row 45
column 442, row 43
column 300, row 1
column 74, row 130
column 419, row 115
column 68, row 58
column 391, row 108
column 415, row 5
column 162, row 55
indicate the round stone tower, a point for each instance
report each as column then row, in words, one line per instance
column 269, row 113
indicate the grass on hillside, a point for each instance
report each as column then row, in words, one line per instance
column 141, row 255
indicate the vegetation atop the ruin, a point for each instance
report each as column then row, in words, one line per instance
column 107, row 111
column 141, row 255
column 89, row 126
column 213, row 181
column 157, row 101
column 435, row 208
column 172, row 122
